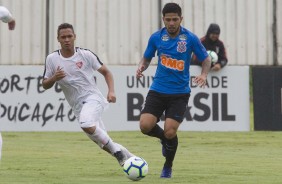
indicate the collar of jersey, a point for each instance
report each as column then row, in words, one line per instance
column 69, row 58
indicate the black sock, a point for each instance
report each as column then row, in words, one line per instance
column 171, row 147
column 157, row 131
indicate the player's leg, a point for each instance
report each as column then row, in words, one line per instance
column 148, row 125
column 90, row 122
column 150, row 115
column 125, row 151
column 101, row 137
column 1, row 142
column 170, row 145
column 174, row 116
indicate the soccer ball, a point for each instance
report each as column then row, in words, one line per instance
column 213, row 56
column 135, row 168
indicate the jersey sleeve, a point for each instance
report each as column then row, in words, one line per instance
column 198, row 49
column 5, row 14
column 95, row 62
column 151, row 48
column 48, row 71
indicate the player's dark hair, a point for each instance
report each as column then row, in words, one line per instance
column 172, row 8
column 64, row 26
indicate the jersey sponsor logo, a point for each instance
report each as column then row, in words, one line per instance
column 182, row 37
column 165, row 38
column 172, row 63
column 79, row 64
column 181, row 46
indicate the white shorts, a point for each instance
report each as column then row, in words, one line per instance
column 91, row 114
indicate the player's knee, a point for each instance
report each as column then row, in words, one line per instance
column 144, row 127
column 169, row 134
column 89, row 130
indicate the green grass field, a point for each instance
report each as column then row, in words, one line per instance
column 202, row 157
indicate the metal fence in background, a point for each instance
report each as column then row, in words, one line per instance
column 118, row 31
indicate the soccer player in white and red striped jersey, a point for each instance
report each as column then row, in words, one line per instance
column 6, row 17
column 73, row 69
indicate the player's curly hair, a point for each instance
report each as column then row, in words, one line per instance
column 64, row 26
column 172, row 8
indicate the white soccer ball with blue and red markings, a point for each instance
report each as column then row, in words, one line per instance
column 135, row 168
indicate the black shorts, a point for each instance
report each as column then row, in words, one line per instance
column 173, row 106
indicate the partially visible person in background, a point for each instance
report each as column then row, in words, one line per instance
column 6, row 17
column 212, row 42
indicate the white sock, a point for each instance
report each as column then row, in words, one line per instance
column 0, row 145
column 128, row 153
column 103, row 140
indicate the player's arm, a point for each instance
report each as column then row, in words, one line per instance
column 206, row 65
column 47, row 83
column 201, row 53
column 111, row 97
column 202, row 79
column 143, row 65
column 148, row 55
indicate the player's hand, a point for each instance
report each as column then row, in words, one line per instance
column 216, row 67
column 59, row 74
column 111, row 97
column 139, row 71
column 200, row 80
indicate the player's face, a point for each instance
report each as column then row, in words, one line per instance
column 172, row 23
column 66, row 38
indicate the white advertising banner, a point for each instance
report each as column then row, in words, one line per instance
column 223, row 105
